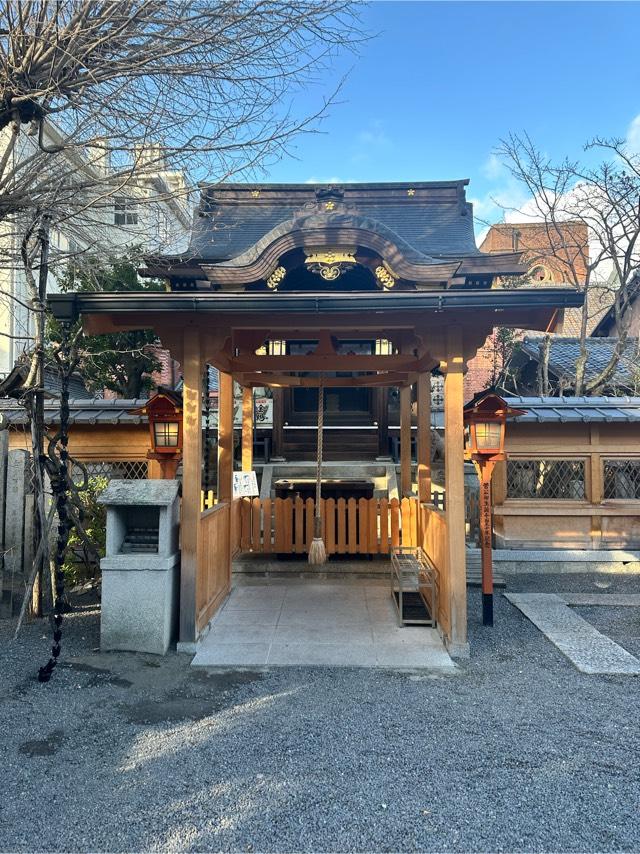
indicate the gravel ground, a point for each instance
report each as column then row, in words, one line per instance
column 516, row 752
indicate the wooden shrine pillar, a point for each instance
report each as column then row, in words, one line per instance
column 382, row 417
column 453, row 370
column 247, row 429
column 278, row 421
column 405, row 440
column 192, row 367
column 225, row 437
column 424, row 438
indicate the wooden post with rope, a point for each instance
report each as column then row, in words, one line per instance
column 317, row 551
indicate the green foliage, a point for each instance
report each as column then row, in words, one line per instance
column 79, row 564
column 122, row 362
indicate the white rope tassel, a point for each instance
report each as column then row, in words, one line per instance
column 317, row 551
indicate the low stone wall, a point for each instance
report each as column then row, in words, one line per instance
column 521, row 561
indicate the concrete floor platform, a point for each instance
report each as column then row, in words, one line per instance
column 308, row 622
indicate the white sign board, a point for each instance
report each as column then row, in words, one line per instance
column 245, row 484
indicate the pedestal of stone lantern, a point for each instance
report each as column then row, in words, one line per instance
column 141, row 569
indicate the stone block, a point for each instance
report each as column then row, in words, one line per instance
column 139, row 606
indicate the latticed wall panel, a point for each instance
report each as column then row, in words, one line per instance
column 621, row 478
column 548, row 479
column 114, row 470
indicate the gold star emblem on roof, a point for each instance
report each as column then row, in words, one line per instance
column 329, row 206
column 411, row 192
column 255, row 194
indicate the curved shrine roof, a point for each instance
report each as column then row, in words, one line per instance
column 433, row 218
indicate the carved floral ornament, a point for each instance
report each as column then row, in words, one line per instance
column 330, row 265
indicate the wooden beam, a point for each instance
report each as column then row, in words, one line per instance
column 225, row 437
column 453, row 370
column 424, row 438
column 326, row 362
column 192, row 367
column 273, row 380
column 405, row 441
column 247, row 429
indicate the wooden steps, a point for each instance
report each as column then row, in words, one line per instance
column 337, row 445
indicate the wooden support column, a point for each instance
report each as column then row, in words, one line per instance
column 595, row 486
column 278, row 419
column 225, row 437
column 405, row 440
column 454, row 487
column 382, row 417
column 192, row 367
column 247, row 429
column 424, row 438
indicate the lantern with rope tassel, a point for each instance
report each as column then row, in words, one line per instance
column 317, row 551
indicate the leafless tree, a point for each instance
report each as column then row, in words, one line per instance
column 604, row 198
column 101, row 98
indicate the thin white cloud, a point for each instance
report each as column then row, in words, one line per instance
column 633, row 136
column 371, row 143
column 334, row 179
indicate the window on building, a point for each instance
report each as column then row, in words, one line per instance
column 547, row 479
column 125, row 211
column 621, row 478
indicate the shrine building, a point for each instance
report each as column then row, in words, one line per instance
column 355, row 289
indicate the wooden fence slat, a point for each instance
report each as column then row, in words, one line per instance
column 342, row 525
column 330, row 525
column 310, row 508
column 245, row 524
column 287, row 509
column 266, row 523
column 256, row 526
column 352, row 521
column 373, row 525
column 299, row 525
column 384, row 526
column 279, row 525
column 394, row 507
column 405, row 522
column 363, row 526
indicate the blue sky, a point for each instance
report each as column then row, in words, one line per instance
column 431, row 96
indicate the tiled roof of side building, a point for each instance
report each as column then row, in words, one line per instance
column 572, row 409
column 565, row 351
column 81, row 411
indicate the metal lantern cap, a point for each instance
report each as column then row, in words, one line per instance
column 485, row 416
column 164, row 412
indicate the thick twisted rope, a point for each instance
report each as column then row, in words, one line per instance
column 317, row 551
column 320, row 441
column 60, row 488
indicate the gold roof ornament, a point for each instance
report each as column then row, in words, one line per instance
column 330, row 265
column 411, row 192
column 330, row 205
column 276, row 277
column 255, row 194
column 385, row 276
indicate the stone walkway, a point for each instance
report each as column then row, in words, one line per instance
column 285, row 622
column 587, row 648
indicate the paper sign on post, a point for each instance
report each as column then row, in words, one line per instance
column 245, row 484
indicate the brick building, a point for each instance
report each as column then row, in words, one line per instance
column 544, row 250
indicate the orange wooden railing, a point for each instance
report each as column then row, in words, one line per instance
column 350, row 526
column 214, row 562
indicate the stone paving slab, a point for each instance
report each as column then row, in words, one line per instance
column 310, row 623
column 610, row 600
column 587, row 648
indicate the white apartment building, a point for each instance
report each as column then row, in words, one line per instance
column 151, row 211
